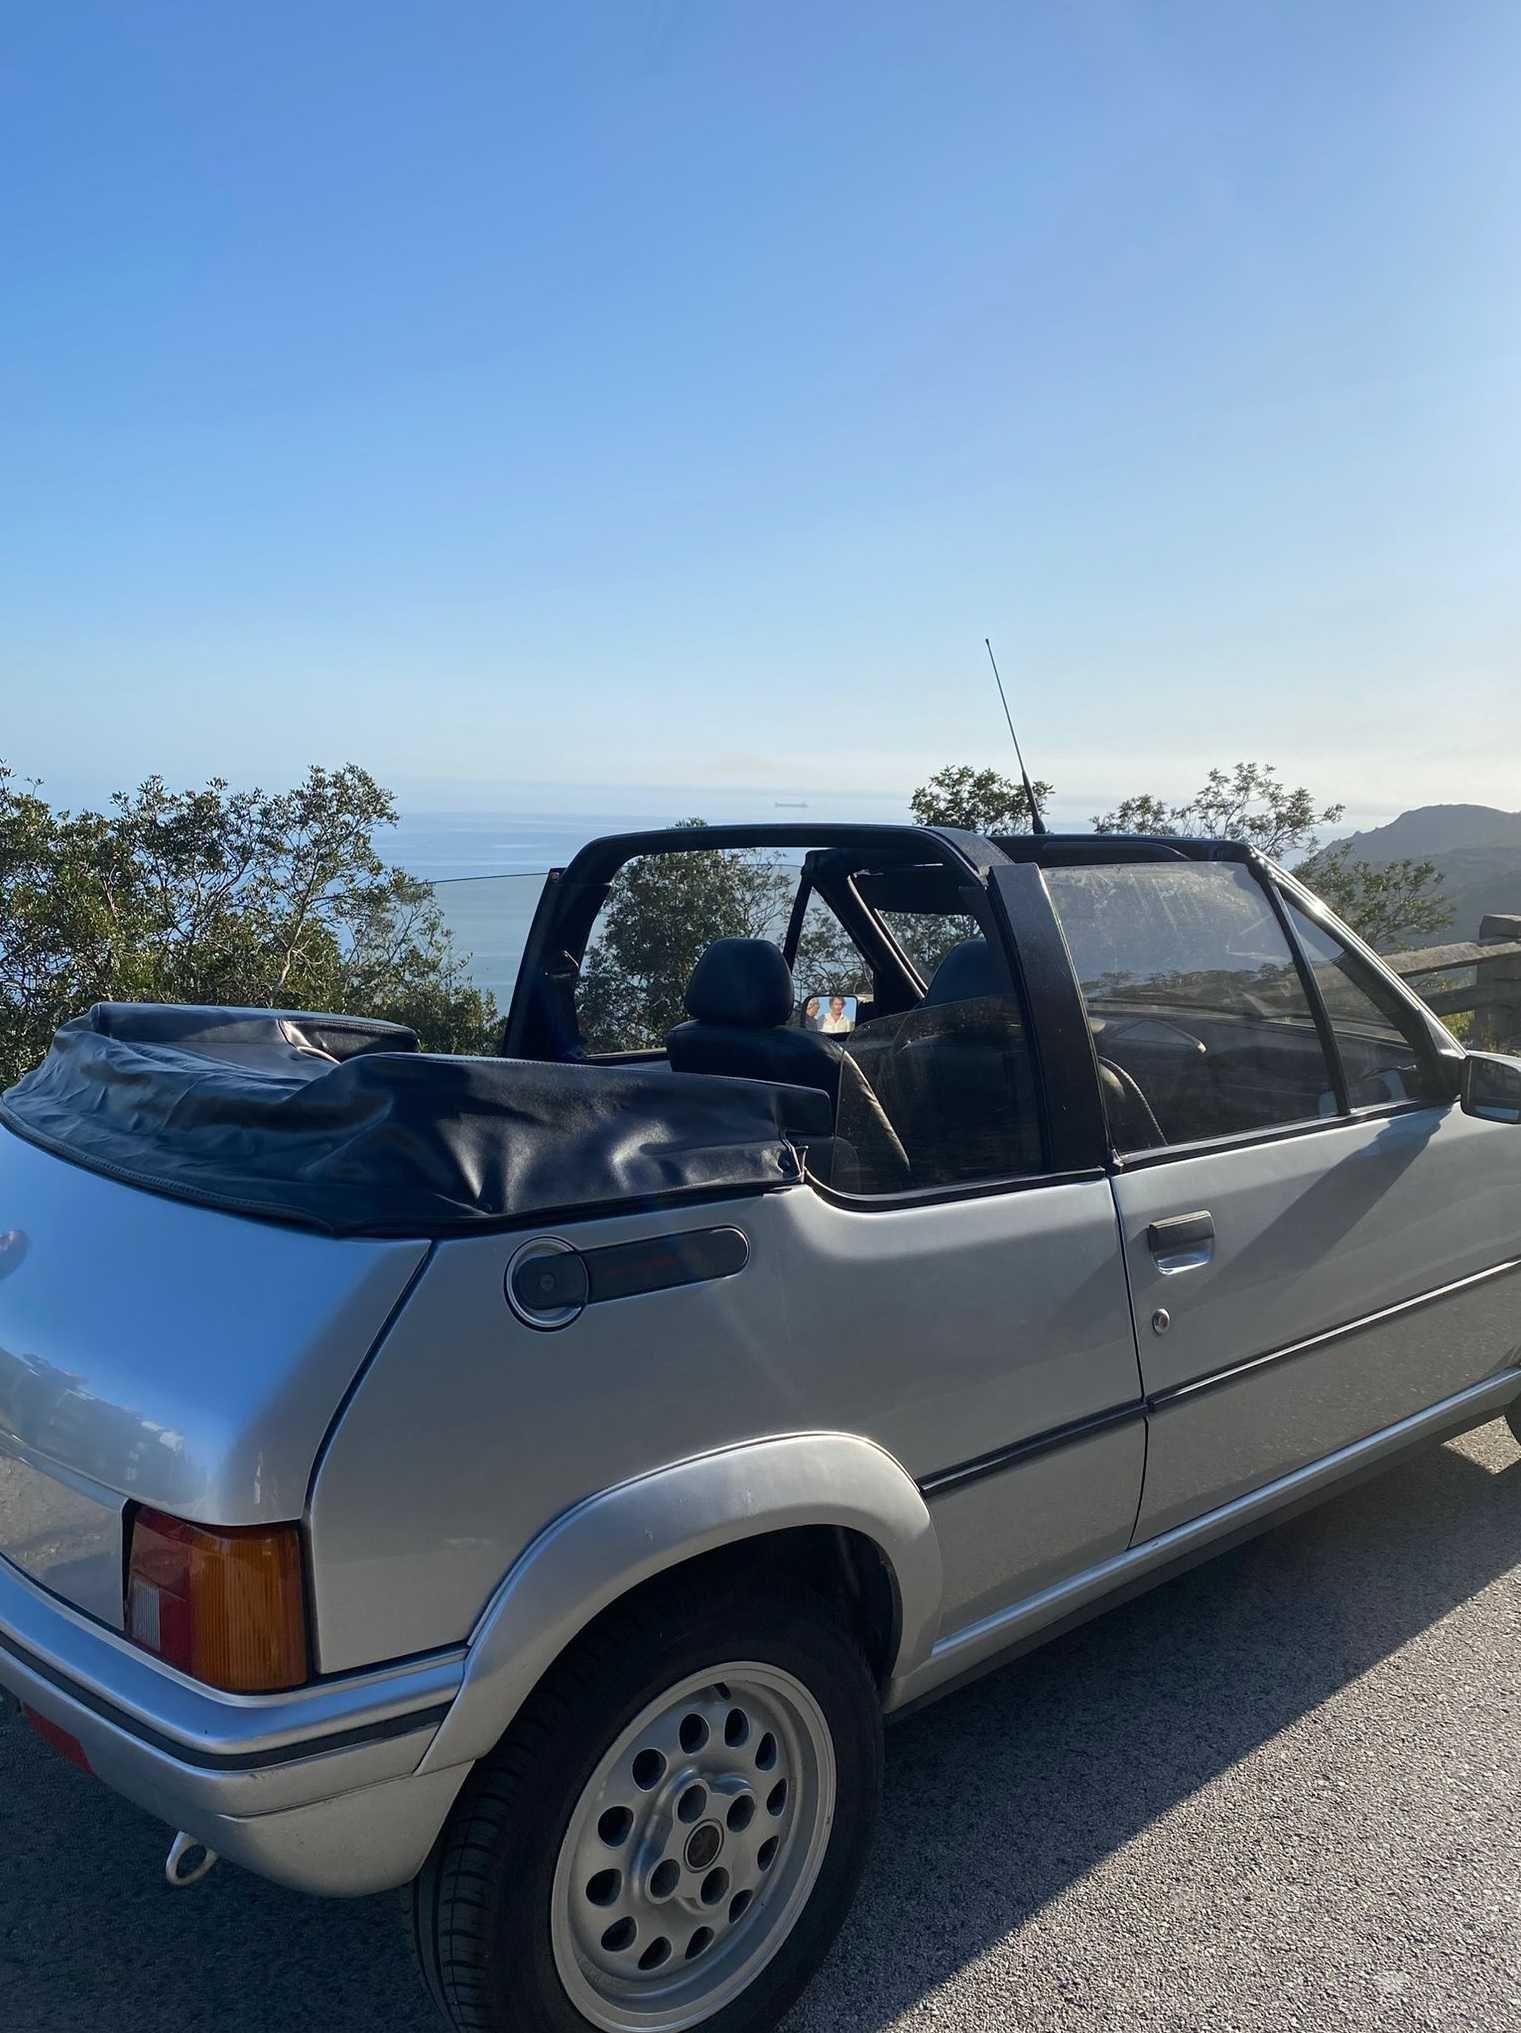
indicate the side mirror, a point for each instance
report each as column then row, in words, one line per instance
column 1492, row 1087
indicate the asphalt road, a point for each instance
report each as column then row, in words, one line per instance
column 1279, row 1792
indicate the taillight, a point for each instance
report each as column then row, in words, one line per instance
column 225, row 1606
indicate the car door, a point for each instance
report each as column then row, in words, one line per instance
column 1318, row 1240
column 973, row 1317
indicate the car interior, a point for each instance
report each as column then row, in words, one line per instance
column 1195, row 994
column 932, row 1082
column 1201, row 1024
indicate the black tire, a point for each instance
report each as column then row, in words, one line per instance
column 479, row 1910
column 1513, row 1420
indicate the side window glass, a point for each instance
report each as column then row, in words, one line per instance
column 1384, row 1049
column 1199, row 1015
column 927, row 936
column 954, row 1079
column 660, row 913
column 832, row 979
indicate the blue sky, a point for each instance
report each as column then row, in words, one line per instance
column 666, row 393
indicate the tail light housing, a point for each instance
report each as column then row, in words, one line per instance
column 227, row 1606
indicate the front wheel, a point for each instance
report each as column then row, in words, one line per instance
column 669, row 1836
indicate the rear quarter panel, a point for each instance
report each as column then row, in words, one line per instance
column 936, row 1332
column 188, row 1359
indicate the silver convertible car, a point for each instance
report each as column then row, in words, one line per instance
column 530, row 1480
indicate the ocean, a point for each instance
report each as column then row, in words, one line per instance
column 487, row 871
column 488, row 868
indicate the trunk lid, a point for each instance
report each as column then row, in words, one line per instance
column 157, row 1352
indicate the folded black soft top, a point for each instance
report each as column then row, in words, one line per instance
column 342, row 1124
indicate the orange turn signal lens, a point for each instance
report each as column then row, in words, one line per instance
column 226, row 1606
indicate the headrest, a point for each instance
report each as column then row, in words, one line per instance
column 741, row 981
column 973, row 968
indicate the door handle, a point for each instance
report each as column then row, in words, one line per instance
column 1183, row 1241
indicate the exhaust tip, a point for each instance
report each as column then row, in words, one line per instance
column 189, row 1860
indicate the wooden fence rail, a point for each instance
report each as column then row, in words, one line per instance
column 1494, row 995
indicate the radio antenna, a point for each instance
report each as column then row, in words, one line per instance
column 1037, row 823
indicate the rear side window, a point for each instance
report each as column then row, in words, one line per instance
column 955, row 1078
column 833, row 982
column 926, row 937
column 662, row 910
column 1198, row 1011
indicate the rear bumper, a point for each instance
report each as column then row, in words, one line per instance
column 318, row 1789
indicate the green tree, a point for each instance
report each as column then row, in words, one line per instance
column 1387, row 904
column 663, row 909
column 1251, row 803
column 982, row 801
column 979, row 799
column 266, row 899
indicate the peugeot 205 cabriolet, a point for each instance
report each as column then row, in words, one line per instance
column 530, row 1480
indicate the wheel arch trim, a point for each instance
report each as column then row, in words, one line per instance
column 593, row 1554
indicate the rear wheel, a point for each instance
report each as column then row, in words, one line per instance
column 669, row 1836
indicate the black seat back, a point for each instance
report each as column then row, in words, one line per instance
column 961, row 1087
column 740, row 1000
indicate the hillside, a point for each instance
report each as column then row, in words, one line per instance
column 1432, row 830
column 1476, row 847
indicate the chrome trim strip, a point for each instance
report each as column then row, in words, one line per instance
column 1160, row 1400
column 1248, row 1139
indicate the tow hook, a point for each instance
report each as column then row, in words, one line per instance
column 188, row 1861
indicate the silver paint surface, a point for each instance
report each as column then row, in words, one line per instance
column 136, row 1693
column 1020, row 1530
column 184, row 1358
column 62, row 1530
column 613, row 1541
column 935, row 1332
column 1311, row 1233
column 345, row 1817
column 488, row 1488
column 962, row 1651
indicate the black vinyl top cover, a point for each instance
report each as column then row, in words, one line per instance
column 342, row 1125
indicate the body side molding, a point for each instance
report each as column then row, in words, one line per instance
column 611, row 1542
column 962, row 1654
column 1227, row 1373
column 1017, row 1451
column 997, row 1459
